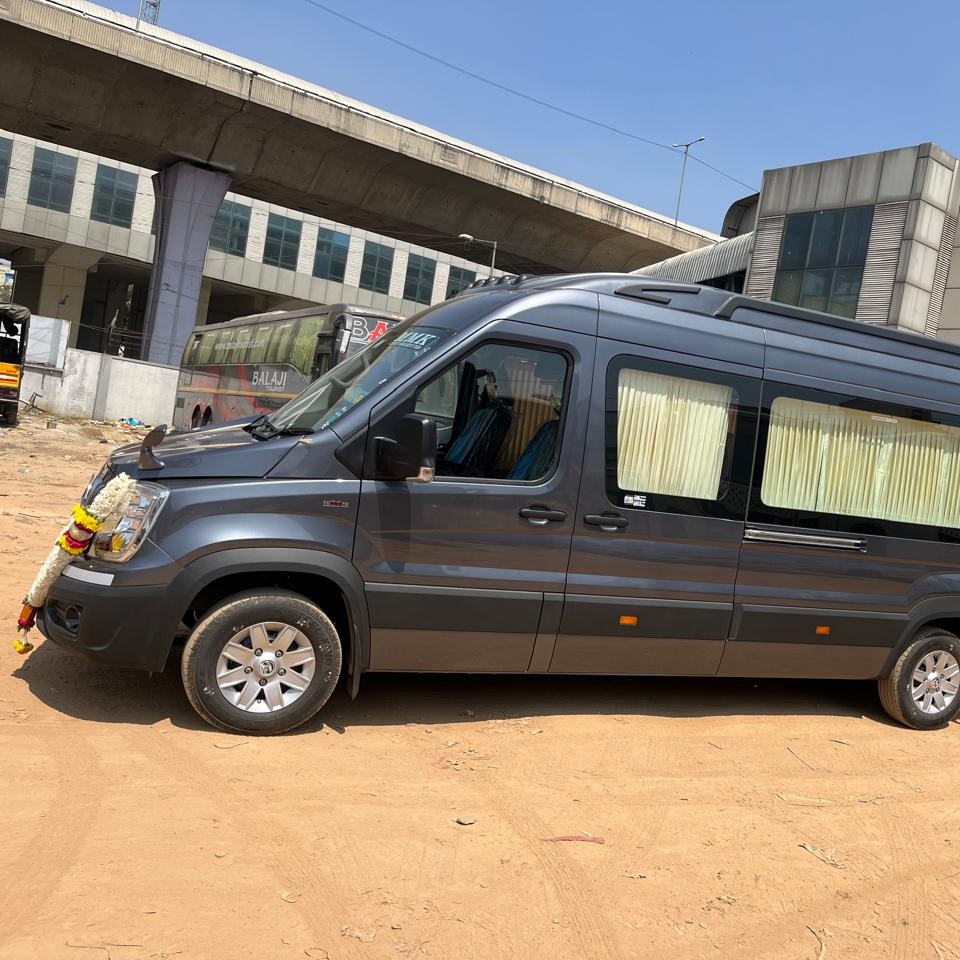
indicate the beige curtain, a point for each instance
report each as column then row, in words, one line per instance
column 671, row 434
column 829, row 459
column 532, row 407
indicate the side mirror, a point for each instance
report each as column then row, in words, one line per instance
column 413, row 454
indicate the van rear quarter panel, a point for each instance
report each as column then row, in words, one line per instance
column 871, row 601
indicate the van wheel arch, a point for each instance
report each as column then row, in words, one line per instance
column 933, row 621
column 330, row 582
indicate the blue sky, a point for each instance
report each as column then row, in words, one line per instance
column 768, row 83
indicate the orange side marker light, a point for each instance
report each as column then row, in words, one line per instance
column 823, row 631
column 626, row 621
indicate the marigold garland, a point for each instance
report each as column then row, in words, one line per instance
column 71, row 543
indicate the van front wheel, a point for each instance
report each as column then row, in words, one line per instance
column 923, row 689
column 261, row 662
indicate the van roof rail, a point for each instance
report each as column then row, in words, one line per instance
column 736, row 302
column 654, row 291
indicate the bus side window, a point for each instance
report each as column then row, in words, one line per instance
column 223, row 352
column 305, row 343
column 204, row 353
column 190, row 354
column 259, row 339
column 278, row 351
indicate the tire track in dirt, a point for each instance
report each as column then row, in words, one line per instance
column 319, row 905
column 570, row 884
column 910, row 918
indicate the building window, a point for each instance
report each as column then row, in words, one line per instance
column 6, row 148
column 377, row 265
column 114, row 194
column 330, row 262
column 230, row 229
column 418, row 285
column 828, row 459
column 459, row 279
column 51, row 180
column 822, row 258
column 283, row 242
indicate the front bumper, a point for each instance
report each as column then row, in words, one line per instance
column 123, row 623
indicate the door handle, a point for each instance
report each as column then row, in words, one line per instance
column 608, row 522
column 541, row 516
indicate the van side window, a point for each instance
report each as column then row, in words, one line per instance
column 671, row 434
column 499, row 413
column 830, row 459
column 679, row 439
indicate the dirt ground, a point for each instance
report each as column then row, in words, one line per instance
column 726, row 819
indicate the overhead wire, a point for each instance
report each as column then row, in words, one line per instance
column 546, row 104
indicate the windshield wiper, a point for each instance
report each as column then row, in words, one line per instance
column 263, row 429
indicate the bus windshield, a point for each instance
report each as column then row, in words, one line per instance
column 330, row 397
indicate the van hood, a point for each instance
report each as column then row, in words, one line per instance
column 227, row 451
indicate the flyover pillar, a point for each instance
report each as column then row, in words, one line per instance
column 188, row 199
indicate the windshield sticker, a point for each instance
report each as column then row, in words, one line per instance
column 417, row 338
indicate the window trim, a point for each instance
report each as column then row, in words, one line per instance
column 792, row 518
column 331, row 242
column 6, row 147
column 738, row 453
column 380, row 247
column 833, row 267
column 464, row 283
column 230, row 218
column 424, row 262
column 284, row 221
column 99, row 185
column 565, row 405
column 68, row 159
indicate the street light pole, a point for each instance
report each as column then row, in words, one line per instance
column 686, row 150
column 468, row 239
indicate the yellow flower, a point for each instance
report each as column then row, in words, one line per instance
column 86, row 519
column 22, row 645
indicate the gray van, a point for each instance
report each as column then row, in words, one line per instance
column 588, row 474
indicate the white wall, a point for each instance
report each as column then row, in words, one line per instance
column 47, row 341
column 100, row 387
column 135, row 388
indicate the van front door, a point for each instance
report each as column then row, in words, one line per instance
column 462, row 572
column 661, row 514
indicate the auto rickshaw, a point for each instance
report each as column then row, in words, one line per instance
column 14, row 328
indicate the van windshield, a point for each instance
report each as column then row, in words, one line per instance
column 326, row 400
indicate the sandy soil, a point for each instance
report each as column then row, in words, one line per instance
column 738, row 819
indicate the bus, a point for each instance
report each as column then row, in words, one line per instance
column 253, row 365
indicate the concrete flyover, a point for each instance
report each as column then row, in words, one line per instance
column 80, row 75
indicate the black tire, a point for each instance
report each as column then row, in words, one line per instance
column 232, row 617
column 896, row 690
column 11, row 412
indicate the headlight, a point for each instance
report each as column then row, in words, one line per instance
column 121, row 538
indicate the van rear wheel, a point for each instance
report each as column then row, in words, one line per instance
column 923, row 689
column 261, row 662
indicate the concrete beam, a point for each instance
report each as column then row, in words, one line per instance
column 81, row 76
